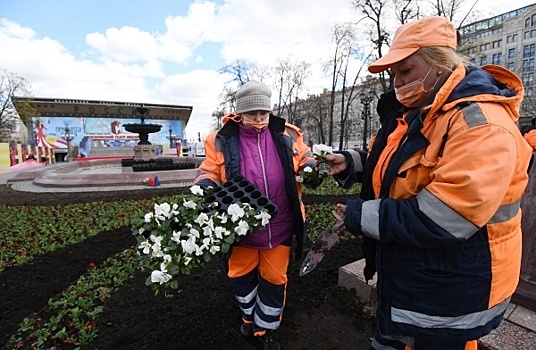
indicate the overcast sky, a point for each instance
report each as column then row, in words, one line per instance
column 165, row 51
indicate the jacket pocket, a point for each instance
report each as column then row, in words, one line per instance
column 413, row 175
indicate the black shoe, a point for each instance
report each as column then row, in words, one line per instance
column 245, row 329
column 268, row 342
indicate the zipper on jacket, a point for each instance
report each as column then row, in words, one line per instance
column 265, row 180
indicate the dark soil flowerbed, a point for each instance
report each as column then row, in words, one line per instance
column 204, row 314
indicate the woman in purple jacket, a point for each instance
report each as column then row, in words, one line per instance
column 261, row 147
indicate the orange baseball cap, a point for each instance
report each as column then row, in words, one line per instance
column 410, row 37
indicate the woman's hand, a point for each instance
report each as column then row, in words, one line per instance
column 336, row 161
column 340, row 212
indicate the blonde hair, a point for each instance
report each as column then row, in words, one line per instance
column 444, row 58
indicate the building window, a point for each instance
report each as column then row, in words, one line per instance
column 527, row 23
column 525, row 79
column 526, row 35
column 511, row 53
column 483, row 60
column 529, row 50
column 497, row 58
column 512, row 66
column 533, row 21
column 497, row 44
column 528, row 65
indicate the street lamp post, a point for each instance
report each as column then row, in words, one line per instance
column 172, row 138
column 68, row 137
column 366, row 100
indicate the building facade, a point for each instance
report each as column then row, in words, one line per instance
column 508, row 40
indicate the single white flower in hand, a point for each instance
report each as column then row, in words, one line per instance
column 321, row 150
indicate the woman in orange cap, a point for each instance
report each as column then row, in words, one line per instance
column 440, row 201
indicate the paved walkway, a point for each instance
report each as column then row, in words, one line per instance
column 69, row 177
column 516, row 332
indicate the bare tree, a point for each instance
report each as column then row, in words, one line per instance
column 290, row 76
column 14, row 91
column 374, row 11
column 349, row 95
column 343, row 39
column 239, row 70
column 406, row 11
column 451, row 9
column 313, row 112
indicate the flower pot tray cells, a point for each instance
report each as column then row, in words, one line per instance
column 239, row 189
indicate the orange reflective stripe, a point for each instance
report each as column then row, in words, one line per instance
column 385, row 157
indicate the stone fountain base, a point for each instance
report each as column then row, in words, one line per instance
column 145, row 152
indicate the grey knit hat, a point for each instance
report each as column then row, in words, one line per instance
column 253, row 96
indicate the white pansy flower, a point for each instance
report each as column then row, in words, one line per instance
column 157, row 246
column 322, row 149
column 146, row 246
column 160, row 276
column 207, row 231
column 167, row 260
column 210, row 222
column 148, row 217
column 214, row 249
column 202, row 219
column 242, row 228
column 189, row 204
column 218, row 232
column 176, row 237
column 236, row 212
column 206, row 242
column 223, row 218
column 175, row 209
column 197, row 190
column 264, row 217
column 194, row 233
column 188, row 246
column 161, row 211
